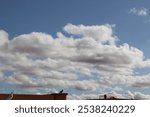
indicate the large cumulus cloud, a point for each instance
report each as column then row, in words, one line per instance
column 38, row 60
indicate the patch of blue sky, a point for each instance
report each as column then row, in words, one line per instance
column 142, row 71
column 8, row 73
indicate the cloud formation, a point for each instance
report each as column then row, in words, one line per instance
column 102, row 34
column 86, row 60
column 139, row 11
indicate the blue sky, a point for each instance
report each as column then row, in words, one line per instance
column 52, row 16
column 18, row 17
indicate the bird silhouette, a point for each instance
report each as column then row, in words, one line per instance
column 61, row 91
column 10, row 97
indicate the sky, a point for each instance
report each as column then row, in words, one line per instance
column 85, row 47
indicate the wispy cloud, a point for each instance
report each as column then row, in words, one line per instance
column 139, row 11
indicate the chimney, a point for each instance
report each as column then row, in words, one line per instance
column 105, row 96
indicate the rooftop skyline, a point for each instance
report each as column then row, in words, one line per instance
column 84, row 47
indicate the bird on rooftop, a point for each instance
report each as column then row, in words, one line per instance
column 10, row 97
column 61, row 92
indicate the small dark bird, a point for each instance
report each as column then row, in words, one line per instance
column 61, row 91
column 10, row 97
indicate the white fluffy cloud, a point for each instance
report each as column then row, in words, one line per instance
column 103, row 33
column 139, row 11
column 4, row 38
column 86, row 60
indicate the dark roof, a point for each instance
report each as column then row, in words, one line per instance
column 53, row 96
